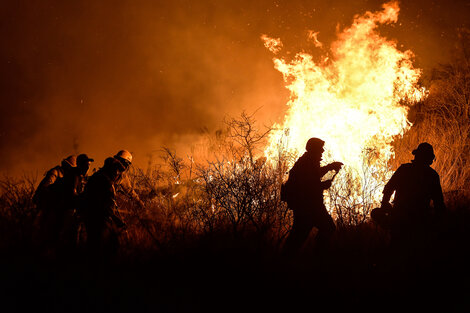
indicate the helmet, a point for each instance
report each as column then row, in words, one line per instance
column 314, row 144
column 71, row 161
column 424, row 150
column 112, row 164
column 125, row 157
column 83, row 158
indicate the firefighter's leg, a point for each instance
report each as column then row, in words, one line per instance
column 297, row 236
column 326, row 229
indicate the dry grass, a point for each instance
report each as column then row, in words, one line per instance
column 233, row 194
column 443, row 120
column 208, row 234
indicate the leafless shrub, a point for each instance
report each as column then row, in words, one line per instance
column 356, row 193
column 239, row 189
column 236, row 191
column 17, row 212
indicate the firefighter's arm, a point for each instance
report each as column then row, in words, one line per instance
column 112, row 213
column 390, row 188
column 326, row 184
column 76, row 184
column 335, row 166
column 387, row 194
column 136, row 197
column 126, row 186
column 50, row 178
column 438, row 197
column 117, row 219
column 43, row 188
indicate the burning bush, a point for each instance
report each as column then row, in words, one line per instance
column 235, row 189
column 234, row 192
column 352, row 98
column 443, row 120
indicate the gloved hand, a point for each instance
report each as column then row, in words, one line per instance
column 336, row 166
column 385, row 205
column 327, row 184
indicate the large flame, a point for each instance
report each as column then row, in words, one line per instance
column 353, row 100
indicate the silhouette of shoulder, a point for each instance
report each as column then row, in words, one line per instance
column 55, row 170
column 99, row 190
column 411, row 169
column 415, row 184
column 54, row 173
column 300, row 163
column 98, row 179
column 302, row 166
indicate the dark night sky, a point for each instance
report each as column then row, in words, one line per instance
column 99, row 76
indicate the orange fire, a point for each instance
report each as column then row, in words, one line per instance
column 353, row 100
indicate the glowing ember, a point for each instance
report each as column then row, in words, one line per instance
column 353, row 101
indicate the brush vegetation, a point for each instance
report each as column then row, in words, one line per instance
column 219, row 221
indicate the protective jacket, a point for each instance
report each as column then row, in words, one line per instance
column 100, row 214
column 124, row 185
column 46, row 190
column 305, row 198
column 304, row 185
column 415, row 185
column 99, row 198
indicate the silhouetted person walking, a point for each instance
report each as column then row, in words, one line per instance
column 415, row 185
column 100, row 215
column 304, row 190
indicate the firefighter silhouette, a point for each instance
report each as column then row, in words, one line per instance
column 415, row 185
column 304, row 196
column 49, row 198
column 74, row 185
column 99, row 212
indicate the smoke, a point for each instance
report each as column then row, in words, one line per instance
column 96, row 77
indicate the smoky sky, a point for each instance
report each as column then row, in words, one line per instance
column 99, row 76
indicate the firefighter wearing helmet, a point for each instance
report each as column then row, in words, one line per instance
column 415, row 186
column 44, row 194
column 303, row 193
column 124, row 157
column 124, row 184
column 100, row 214
column 49, row 202
column 74, row 185
column 51, row 177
